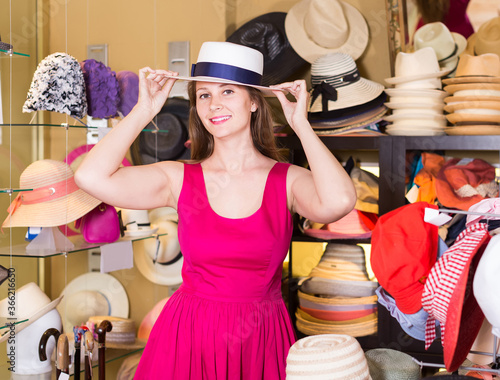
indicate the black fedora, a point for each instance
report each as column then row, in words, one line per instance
column 266, row 33
column 169, row 143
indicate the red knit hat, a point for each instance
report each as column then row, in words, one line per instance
column 404, row 249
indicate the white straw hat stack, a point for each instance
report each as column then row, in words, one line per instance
column 474, row 105
column 327, row 356
column 416, row 100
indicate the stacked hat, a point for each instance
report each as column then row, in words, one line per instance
column 327, row 356
column 416, row 100
column 474, row 104
column 486, row 39
column 341, row 100
column 447, row 45
column 338, row 295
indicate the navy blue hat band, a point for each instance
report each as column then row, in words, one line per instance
column 222, row 71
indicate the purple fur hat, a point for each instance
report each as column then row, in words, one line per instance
column 129, row 91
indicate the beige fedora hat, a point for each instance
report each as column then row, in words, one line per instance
column 473, row 130
column 473, row 104
column 484, row 68
column 327, row 356
column 471, row 98
column 31, row 303
column 447, row 45
column 318, row 27
column 476, row 118
column 486, row 39
column 471, row 89
column 55, row 198
column 417, row 70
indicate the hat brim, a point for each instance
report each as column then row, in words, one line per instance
column 452, row 88
column 411, row 78
column 478, row 98
column 31, row 319
column 415, row 106
column 473, row 130
column 416, row 115
column 355, row 44
column 425, row 93
column 266, row 91
column 472, row 118
column 415, row 131
column 339, row 288
column 351, row 122
column 103, row 283
column 492, row 105
column 471, row 79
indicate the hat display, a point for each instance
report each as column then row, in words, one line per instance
column 266, row 33
column 31, row 303
column 485, row 284
column 92, row 294
column 486, row 39
column 332, row 356
column 169, row 143
column 55, row 199
column 447, row 45
column 462, row 183
column 128, row 94
column 318, row 27
column 403, row 253
column 389, row 364
column 337, row 84
column 447, row 299
column 58, row 85
column 161, row 264
column 227, row 62
column 102, row 89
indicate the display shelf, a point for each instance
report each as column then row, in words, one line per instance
column 8, row 53
column 19, row 250
column 10, row 191
column 65, row 125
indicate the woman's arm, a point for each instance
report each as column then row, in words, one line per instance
column 135, row 187
column 324, row 193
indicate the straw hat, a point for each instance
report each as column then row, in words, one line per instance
column 327, row 356
column 337, row 84
column 479, row 106
column 226, row 62
column 447, row 45
column 476, row 116
column 417, row 70
column 486, row 39
column 388, row 364
column 55, row 199
column 491, row 89
column 473, row 130
column 483, row 68
column 122, row 335
column 402, row 95
column 318, row 27
column 31, row 303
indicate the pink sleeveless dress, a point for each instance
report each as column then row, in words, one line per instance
column 228, row 319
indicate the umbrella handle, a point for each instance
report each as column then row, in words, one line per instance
column 42, row 346
column 104, row 326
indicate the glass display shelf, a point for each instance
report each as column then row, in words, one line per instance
column 10, row 191
column 8, row 53
column 19, row 250
column 84, row 126
column 111, row 356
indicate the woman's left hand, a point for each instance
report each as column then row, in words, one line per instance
column 295, row 112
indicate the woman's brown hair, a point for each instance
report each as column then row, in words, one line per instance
column 433, row 10
column 261, row 127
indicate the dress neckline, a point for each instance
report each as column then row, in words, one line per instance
column 245, row 217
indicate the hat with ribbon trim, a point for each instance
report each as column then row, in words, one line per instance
column 337, row 84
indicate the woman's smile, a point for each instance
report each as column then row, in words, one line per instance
column 219, row 119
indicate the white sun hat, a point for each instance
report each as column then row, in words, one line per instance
column 327, row 356
column 318, row 27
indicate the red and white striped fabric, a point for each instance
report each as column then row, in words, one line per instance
column 443, row 277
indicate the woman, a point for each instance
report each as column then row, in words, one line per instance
column 235, row 202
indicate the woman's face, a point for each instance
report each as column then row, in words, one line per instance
column 224, row 109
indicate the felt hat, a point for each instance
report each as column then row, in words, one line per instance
column 318, row 27
column 31, row 303
column 389, row 364
column 486, row 39
column 227, row 62
column 169, row 143
column 337, row 84
column 485, row 284
column 333, row 356
column 417, row 70
column 128, row 82
column 461, row 184
column 448, row 299
column 58, row 85
column 92, row 294
column 484, row 68
column 55, row 198
column 102, row 89
column 161, row 264
column 403, row 253
column 266, row 33
column 447, row 45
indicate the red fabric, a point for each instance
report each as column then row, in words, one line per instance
column 404, row 249
column 457, row 20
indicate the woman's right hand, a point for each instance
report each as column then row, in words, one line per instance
column 154, row 88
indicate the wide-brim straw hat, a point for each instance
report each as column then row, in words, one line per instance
column 355, row 327
column 327, row 356
column 339, row 301
column 227, row 62
column 364, row 118
column 486, row 39
column 31, row 303
column 318, row 27
column 55, row 199
column 389, row 364
column 122, row 335
column 483, row 68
